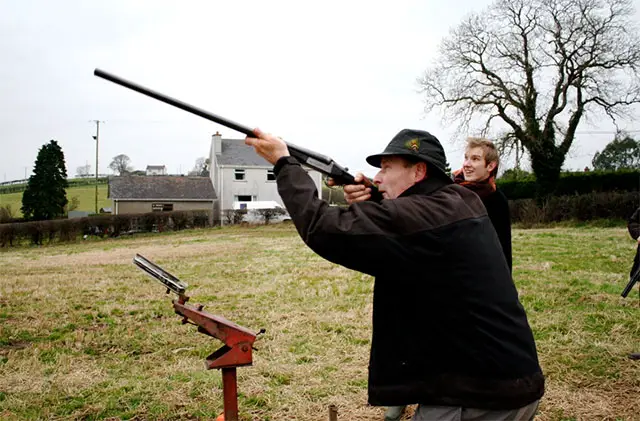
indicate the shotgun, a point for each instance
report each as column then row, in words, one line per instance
column 321, row 163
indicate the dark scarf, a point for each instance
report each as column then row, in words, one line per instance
column 482, row 188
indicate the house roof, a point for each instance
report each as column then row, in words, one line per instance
column 236, row 152
column 155, row 167
column 168, row 187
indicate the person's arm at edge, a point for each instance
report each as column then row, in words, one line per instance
column 634, row 225
column 503, row 229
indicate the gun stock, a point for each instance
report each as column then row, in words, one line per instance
column 318, row 162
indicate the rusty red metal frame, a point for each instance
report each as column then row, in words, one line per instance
column 238, row 341
column 236, row 351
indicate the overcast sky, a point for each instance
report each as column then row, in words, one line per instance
column 338, row 77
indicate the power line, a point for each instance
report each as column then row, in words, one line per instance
column 607, row 132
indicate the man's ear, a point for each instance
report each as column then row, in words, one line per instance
column 491, row 166
column 421, row 172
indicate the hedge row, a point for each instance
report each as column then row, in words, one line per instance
column 572, row 183
column 584, row 207
column 65, row 230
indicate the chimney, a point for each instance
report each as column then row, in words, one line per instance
column 216, row 139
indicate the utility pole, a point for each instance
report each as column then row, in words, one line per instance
column 97, row 139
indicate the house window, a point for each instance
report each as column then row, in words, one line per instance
column 162, row 207
column 244, row 198
column 271, row 176
column 239, row 175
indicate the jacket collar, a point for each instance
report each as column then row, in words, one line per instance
column 426, row 186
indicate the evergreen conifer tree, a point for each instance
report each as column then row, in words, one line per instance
column 45, row 196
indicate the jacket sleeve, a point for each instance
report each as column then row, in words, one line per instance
column 504, row 234
column 501, row 220
column 634, row 224
column 358, row 237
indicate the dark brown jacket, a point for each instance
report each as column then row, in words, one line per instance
column 448, row 328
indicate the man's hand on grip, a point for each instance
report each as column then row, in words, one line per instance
column 268, row 146
column 354, row 193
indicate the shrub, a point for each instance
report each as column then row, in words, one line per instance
column 234, row 216
column 572, row 183
column 6, row 213
column 69, row 230
column 200, row 219
column 8, row 234
column 268, row 214
column 149, row 222
column 73, row 204
column 34, row 232
column 181, row 220
column 585, row 207
column 100, row 225
column 120, row 223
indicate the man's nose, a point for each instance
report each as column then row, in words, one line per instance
column 377, row 179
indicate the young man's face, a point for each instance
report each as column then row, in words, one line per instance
column 475, row 167
column 396, row 175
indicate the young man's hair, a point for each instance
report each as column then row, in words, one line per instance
column 490, row 151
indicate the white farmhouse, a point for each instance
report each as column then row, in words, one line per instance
column 238, row 174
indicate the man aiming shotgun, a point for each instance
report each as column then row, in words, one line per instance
column 460, row 344
column 478, row 172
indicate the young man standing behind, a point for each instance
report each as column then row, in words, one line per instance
column 478, row 174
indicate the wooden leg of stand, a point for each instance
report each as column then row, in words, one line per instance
column 333, row 413
column 230, row 392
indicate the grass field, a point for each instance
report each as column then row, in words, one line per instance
column 85, row 194
column 86, row 335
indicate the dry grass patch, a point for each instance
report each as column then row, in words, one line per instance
column 86, row 335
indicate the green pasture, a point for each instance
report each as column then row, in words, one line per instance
column 85, row 334
column 85, row 194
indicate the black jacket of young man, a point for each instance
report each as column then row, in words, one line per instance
column 448, row 328
column 498, row 210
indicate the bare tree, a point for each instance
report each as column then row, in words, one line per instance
column 121, row 164
column 201, row 168
column 84, row 171
column 536, row 68
column 507, row 145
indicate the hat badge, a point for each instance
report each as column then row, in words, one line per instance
column 413, row 145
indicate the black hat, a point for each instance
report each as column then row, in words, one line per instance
column 418, row 144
